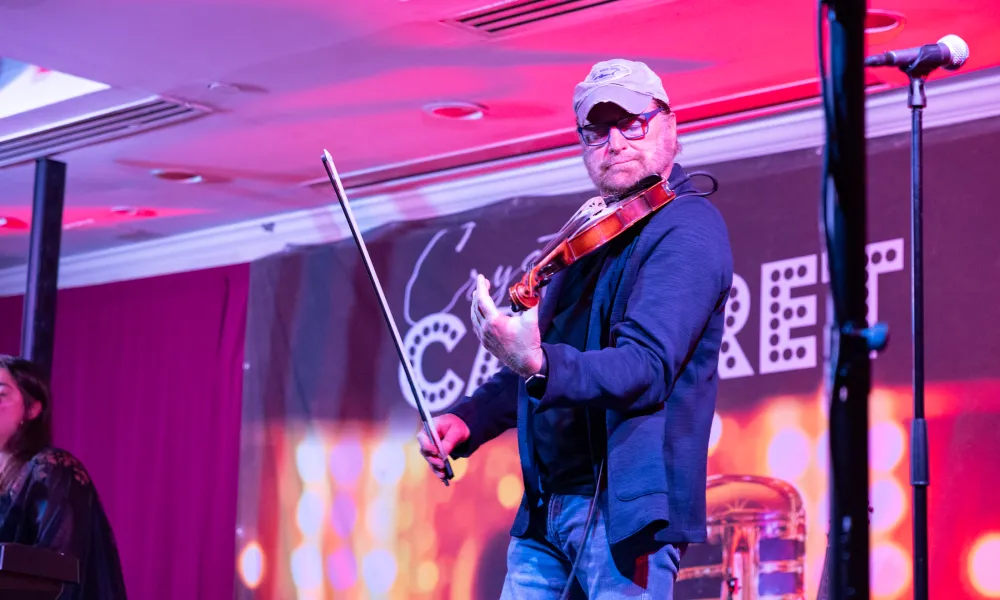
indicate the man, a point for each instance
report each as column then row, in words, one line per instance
column 611, row 382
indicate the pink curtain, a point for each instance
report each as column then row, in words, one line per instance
column 147, row 379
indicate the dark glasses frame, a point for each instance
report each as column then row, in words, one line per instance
column 597, row 134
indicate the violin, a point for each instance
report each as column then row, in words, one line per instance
column 591, row 228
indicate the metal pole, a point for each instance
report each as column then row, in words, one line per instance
column 38, row 324
column 846, row 235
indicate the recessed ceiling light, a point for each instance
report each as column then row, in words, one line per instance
column 879, row 21
column 228, row 89
column 12, row 223
column 133, row 211
column 224, row 88
column 176, row 176
column 461, row 111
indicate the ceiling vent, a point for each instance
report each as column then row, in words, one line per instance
column 94, row 128
column 508, row 17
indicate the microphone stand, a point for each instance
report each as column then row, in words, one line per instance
column 918, row 71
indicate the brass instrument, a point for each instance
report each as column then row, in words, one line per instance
column 756, row 543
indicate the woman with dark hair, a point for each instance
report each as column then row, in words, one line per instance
column 47, row 499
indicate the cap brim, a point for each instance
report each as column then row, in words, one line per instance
column 632, row 101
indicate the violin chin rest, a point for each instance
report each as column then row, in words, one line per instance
column 645, row 183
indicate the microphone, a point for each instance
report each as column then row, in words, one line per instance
column 949, row 52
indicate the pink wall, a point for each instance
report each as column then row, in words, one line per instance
column 147, row 379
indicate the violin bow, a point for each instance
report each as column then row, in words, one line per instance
column 418, row 395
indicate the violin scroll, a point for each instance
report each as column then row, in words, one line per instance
column 524, row 295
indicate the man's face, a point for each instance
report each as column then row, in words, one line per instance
column 620, row 163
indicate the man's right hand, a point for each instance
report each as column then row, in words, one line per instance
column 452, row 431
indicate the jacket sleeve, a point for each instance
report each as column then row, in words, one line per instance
column 62, row 498
column 489, row 411
column 69, row 519
column 684, row 278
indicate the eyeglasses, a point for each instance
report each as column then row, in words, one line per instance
column 631, row 128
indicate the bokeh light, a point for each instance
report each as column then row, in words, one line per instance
column 251, row 563
column 509, row 491
column 890, row 570
column 388, row 462
column 309, row 513
column 346, row 460
column 984, row 565
column 459, row 467
column 416, row 466
column 309, row 460
column 344, row 514
column 379, row 517
column 375, row 523
column 427, row 576
column 822, row 456
column 887, row 494
column 784, row 412
column 342, row 569
column 789, row 453
column 886, row 442
column 307, row 567
column 715, row 435
column 379, row 568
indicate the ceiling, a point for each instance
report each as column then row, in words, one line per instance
column 280, row 80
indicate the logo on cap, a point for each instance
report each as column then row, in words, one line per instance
column 609, row 72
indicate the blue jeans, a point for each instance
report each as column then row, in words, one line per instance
column 539, row 565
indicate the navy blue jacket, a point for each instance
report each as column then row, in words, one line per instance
column 662, row 289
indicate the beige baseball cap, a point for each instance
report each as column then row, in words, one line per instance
column 629, row 84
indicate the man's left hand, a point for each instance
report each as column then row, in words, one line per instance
column 513, row 340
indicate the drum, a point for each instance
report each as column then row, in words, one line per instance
column 756, row 543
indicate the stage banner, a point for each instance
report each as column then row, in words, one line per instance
column 336, row 502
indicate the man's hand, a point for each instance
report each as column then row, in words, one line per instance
column 513, row 340
column 452, row 431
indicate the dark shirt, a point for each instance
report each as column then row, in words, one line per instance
column 53, row 504
column 652, row 371
column 561, row 435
